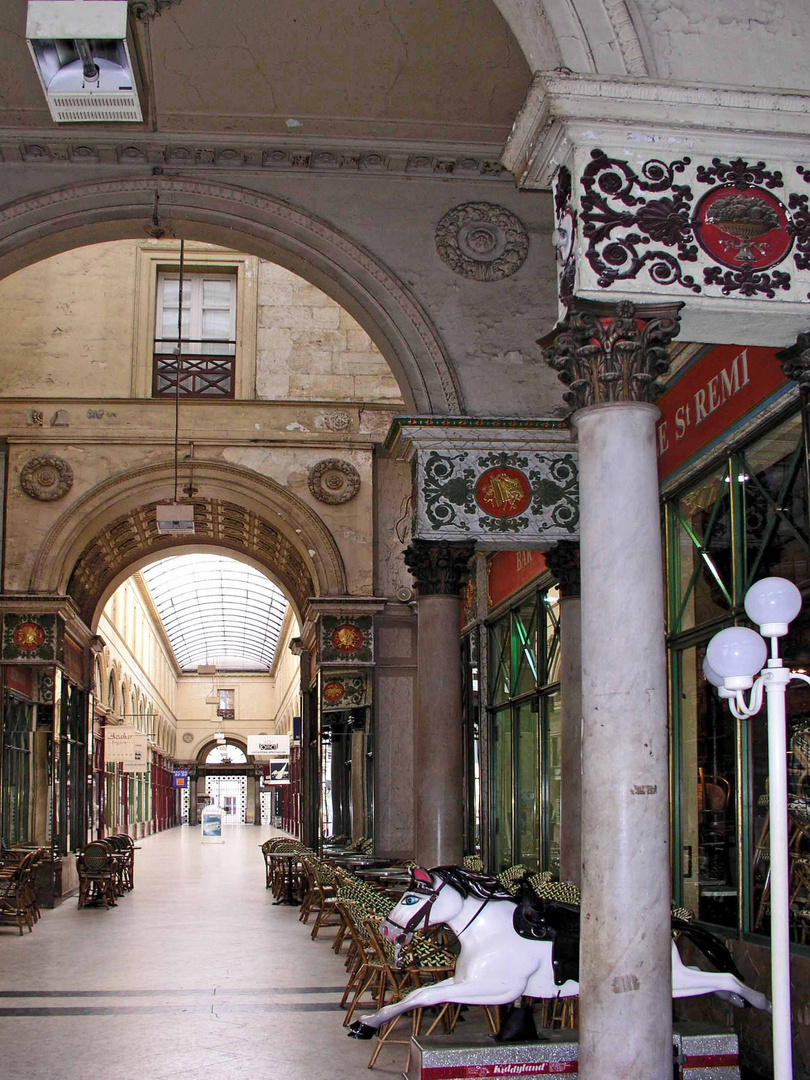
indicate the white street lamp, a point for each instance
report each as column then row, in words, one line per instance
column 737, row 658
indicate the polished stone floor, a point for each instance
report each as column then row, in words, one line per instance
column 195, row 974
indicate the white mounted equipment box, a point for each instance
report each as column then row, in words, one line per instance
column 80, row 52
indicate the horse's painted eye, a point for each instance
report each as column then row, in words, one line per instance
column 408, row 900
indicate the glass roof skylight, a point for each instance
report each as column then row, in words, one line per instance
column 216, row 610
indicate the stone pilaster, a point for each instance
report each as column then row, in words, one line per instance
column 609, row 359
column 440, row 571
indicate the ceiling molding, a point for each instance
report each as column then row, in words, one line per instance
column 359, row 158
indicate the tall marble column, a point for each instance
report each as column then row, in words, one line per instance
column 562, row 559
column 440, row 572
column 609, row 357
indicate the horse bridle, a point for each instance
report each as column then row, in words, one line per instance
column 423, row 914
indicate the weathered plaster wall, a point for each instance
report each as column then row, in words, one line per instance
column 759, row 43
column 70, row 331
column 309, row 348
column 488, row 329
column 68, row 324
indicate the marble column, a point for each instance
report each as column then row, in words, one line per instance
column 609, row 357
column 563, row 561
column 440, row 571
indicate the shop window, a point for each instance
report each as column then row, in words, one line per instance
column 744, row 520
column 471, row 718
column 16, row 809
column 205, row 364
column 525, row 734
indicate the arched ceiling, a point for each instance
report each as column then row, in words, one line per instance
column 410, row 69
column 127, row 539
column 216, row 610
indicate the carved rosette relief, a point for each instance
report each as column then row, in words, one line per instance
column 46, row 478
column 337, row 420
column 334, row 481
column 608, row 353
column 482, row 241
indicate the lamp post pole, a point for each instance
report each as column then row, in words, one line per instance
column 735, row 662
column 776, row 680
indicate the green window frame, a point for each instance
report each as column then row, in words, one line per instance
column 743, row 518
column 524, row 735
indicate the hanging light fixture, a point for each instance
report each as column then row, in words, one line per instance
column 175, row 517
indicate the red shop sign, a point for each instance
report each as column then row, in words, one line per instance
column 509, row 571
column 711, row 394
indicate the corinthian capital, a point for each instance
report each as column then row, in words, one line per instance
column 439, row 567
column 612, row 352
column 795, row 361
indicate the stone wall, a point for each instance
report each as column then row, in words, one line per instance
column 309, row 348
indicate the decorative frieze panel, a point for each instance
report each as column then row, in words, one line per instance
column 691, row 193
column 497, row 494
column 345, row 690
column 346, row 639
column 32, row 638
column 498, row 482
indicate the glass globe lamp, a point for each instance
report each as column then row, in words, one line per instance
column 737, row 655
column 772, row 603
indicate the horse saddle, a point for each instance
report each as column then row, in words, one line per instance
column 537, row 919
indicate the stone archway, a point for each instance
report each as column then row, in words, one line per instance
column 598, row 37
column 235, row 217
column 112, row 531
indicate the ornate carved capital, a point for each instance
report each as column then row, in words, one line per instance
column 562, row 559
column 612, row 352
column 795, row 361
column 439, row 567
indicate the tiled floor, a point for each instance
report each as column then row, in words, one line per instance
column 194, row 975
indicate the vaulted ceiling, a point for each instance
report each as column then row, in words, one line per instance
column 379, row 69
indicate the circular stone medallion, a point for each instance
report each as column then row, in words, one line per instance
column 482, row 241
column 347, row 638
column 188, row 737
column 503, row 491
column 334, row 481
column 743, row 227
column 333, row 692
column 28, row 636
column 46, row 478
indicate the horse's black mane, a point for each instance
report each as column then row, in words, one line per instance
column 472, row 883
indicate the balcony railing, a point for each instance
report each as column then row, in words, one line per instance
column 200, row 376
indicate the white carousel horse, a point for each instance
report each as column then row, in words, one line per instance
column 496, row 965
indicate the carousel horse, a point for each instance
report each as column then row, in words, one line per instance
column 508, row 947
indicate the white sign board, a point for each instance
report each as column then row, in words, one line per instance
column 140, row 748
column 269, row 745
column 119, row 743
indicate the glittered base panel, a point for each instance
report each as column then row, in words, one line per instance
column 541, row 1068
column 703, row 1053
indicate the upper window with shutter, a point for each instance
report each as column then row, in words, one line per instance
column 204, row 366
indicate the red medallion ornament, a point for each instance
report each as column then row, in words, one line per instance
column 743, row 227
column 503, row 491
column 333, row 691
column 28, row 636
column 347, row 638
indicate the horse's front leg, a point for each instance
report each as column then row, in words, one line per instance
column 423, row 997
column 469, row 992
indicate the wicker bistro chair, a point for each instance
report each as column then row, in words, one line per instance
column 322, row 894
column 122, row 860
column 126, row 848
column 274, row 869
column 98, row 875
column 16, row 895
